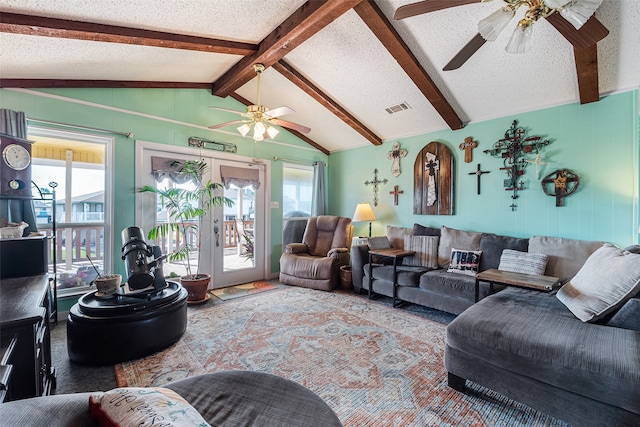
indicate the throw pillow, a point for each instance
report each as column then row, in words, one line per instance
column 628, row 317
column 396, row 236
column 426, row 251
column 140, row 406
column 379, row 242
column 609, row 278
column 464, row 262
column 421, row 230
column 523, row 262
column 566, row 256
column 452, row 238
column 492, row 246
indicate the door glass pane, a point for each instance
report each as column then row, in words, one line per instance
column 239, row 221
column 170, row 244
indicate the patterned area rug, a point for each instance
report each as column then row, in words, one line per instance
column 245, row 289
column 374, row 365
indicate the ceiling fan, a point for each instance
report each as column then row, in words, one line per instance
column 260, row 118
column 572, row 18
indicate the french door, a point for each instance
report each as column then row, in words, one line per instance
column 231, row 243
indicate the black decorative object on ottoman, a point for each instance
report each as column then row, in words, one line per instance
column 142, row 316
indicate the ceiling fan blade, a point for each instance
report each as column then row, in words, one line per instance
column 589, row 34
column 465, row 53
column 228, row 110
column 427, row 6
column 290, row 125
column 587, row 70
column 280, row 111
column 221, row 125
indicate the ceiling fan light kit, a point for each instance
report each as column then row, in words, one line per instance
column 260, row 118
column 577, row 12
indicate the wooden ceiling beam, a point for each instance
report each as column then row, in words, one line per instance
column 294, row 132
column 79, row 30
column 119, row 84
column 373, row 17
column 325, row 100
column 305, row 22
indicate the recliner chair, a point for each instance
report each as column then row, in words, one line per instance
column 315, row 262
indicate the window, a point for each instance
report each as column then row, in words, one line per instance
column 77, row 165
column 297, row 193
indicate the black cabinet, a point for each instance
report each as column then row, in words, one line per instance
column 25, row 336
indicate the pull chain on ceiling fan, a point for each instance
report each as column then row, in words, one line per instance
column 261, row 119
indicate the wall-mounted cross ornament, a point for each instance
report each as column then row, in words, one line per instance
column 395, row 193
column 394, row 155
column 375, row 184
column 514, row 150
column 479, row 173
column 468, row 145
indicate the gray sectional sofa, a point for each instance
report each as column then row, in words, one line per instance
column 522, row 343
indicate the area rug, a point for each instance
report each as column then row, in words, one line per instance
column 374, row 365
column 245, row 289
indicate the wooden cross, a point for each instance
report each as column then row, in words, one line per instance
column 395, row 193
column 468, row 145
column 564, row 183
column 479, row 173
column 375, row 183
column 394, row 155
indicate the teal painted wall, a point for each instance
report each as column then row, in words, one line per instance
column 183, row 113
column 598, row 141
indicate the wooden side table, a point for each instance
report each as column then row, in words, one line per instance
column 520, row 280
column 395, row 255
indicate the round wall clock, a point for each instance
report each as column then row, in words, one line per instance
column 15, row 167
column 16, row 157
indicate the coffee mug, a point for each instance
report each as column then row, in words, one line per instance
column 107, row 285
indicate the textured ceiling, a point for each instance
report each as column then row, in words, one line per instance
column 345, row 60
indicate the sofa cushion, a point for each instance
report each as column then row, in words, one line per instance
column 421, row 230
column 379, row 242
column 628, row 317
column 609, row 277
column 137, row 406
column 464, row 262
column 452, row 238
column 396, row 236
column 523, row 262
column 566, row 256
column 439, row 281
column 426, row 251
column 406, row 275
column 492, row 246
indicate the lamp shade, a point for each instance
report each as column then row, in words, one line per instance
column 492, row 25
column 363, row 213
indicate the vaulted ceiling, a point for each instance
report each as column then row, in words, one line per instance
column 340, row 64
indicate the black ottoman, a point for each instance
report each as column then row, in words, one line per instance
column 121, row 328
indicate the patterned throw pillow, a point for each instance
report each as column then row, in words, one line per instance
column 523, row 262
column 426, row 251
column 140, row 406
column 464, row 262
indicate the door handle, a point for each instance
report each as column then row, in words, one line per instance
column 216, row 231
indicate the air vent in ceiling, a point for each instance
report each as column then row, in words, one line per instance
column 397, row 108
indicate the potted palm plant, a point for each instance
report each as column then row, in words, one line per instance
column 183, row 206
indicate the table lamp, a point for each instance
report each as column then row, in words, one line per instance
column 364, row 213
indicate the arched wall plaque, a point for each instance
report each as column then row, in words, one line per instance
column 433, row 181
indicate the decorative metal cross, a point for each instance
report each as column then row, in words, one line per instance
column 468, row 145
column 479, row 173
column 395, row 154
column 395, row 193
column 375, row 183
column 432, row 166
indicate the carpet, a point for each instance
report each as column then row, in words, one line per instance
column 243, row 290
column 374, row 365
